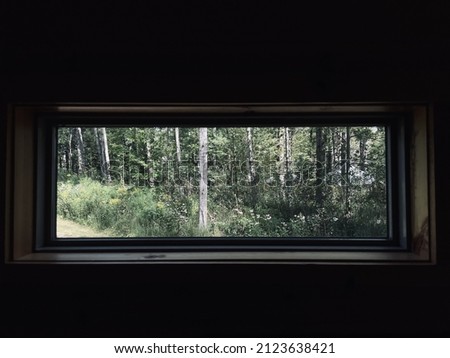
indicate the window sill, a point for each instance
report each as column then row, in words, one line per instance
column 248, row 257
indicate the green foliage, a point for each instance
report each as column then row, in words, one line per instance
column 343, row 197
column 125, row 211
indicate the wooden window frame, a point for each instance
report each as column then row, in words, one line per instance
column 22, row 217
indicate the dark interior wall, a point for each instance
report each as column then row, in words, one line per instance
column 229, row 52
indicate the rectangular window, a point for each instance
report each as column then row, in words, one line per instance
column 221, row 183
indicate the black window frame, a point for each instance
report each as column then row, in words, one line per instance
column 397, row 167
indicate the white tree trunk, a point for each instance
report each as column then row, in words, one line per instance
column 69, row 153
column 178, row 145
column 106, row 151
column 178, row 160
column 102, row 145
column 203, row 169
column 288, row 150
column 148, row 149
column 79, row 145
column 250, row 157
column 282, row 156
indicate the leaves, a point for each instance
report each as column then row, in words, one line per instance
column 328, row 186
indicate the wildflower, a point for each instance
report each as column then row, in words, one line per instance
column 121, row 190
column 114, row 202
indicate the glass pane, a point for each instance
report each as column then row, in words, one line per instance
column 315, row 182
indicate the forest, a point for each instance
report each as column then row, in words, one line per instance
column 271, row 182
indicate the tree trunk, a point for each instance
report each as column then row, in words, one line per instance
column 231, row 158
column 178, row 158
column 79, row 146
column 251, row 175
column 362, row 153
column 282, row 157
column 320, row 161
column 62, row 161
column 130, row 165
column 288, row 150
column 136, row 149
column 99, row 151
column 347, row 168
column 69, row 153
column 149, row 165
column 203, row 169
column 102, row 146
column 347, row 148
column 344, row 159
column 345, row 174
column 178, row 145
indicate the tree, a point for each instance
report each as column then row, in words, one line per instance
column 282, row 157
column 320, row 165
column 251, row 176
column 149, row 160
column 288, row 150
column 307, row 185
column 102, row 145
column 203, row 169
column 79, row 147
column 68, row 152
column 178, row 157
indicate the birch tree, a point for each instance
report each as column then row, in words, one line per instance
column 320, row 162
column 69, row 152
column 149, row 160
column 178, row 156
column 251, row 175
column 102, row 147
column 203, row 169
column 288, row 151
column 79, row 147
column 282, row 157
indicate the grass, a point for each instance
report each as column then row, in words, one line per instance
column 69, row 229
column 88, row 208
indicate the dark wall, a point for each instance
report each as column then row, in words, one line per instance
column 229, row 52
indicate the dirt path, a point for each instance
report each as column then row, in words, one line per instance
column 67, row 228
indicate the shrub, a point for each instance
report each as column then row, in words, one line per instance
column 131, row 212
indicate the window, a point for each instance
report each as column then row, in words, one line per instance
column 221, row 183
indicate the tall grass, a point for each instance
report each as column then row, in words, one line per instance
column 128, row 212
column 169, row 212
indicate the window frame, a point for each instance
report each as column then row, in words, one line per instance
column 27, row 232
